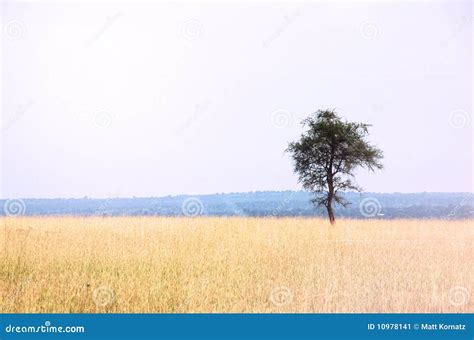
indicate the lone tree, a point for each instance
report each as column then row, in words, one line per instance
column 327, row 154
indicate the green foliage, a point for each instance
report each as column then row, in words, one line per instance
column 327, row 154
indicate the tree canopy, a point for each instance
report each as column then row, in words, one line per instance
column 326, row 155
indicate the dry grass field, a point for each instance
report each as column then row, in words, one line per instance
column 155, row 264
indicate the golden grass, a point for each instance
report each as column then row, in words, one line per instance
column 155, row 264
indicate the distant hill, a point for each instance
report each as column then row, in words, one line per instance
column 261, row 203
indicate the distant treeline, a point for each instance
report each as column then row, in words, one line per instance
column 262, row 203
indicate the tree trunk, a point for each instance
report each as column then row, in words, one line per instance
column 332, row 219
column 331, row 194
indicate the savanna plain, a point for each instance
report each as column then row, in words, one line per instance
column 207, row 264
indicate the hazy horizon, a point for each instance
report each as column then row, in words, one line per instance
column 362, row 193
column 156, row 99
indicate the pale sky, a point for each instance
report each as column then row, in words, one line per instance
column 142, row 99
